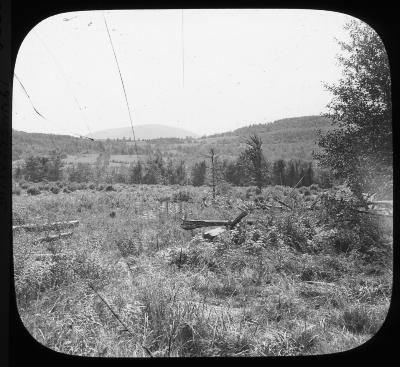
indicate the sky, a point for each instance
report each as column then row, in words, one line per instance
column 206, row 71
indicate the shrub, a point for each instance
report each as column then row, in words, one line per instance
column 33, row 190
column 224, row 188
column 24, row 185
column 181, row 196
column 345, row 240
column 198, row 254
column 295, row 233
column 92, row 267
column 128, row 247
column 44, row 187
column 251, row 191
column 305, row 340
column 85, row 203
column 259, row 200
column 71, row 187
column 16, row 191
column 54, row 189
column 358, row 320
column 31, row 278
column 81, row 186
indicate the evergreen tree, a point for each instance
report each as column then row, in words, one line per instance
column 81, row 172
column 136, row 176
column 278, row 172
column 170, row 172
column 258, row 167
column 55, row 166
column 33, row 169
column 291, row 173
column 308, row 175
column 199, row 173
column 180, row 172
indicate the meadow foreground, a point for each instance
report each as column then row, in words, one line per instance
column 130, row 282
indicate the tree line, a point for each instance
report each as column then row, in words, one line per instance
column 156, row 169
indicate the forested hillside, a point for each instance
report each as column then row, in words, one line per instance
column 283, row 139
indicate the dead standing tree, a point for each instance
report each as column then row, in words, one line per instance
column 213, row 176
column 214, row 170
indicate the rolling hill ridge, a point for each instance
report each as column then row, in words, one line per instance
column 153, row 131
column 285, row 139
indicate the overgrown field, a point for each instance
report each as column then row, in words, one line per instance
column 130, row 282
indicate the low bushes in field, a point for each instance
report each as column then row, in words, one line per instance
column 24, row 185
column 129, row 247
column 55, row 189
column 16, row 191
column 181, row 196
column 360, row 318
column 291, row 282
column 44, row 187
column 224, row 188
column 74, row 186
column 33, row 190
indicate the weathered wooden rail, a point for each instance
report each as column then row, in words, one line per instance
column 54, row 237
column 46, row 226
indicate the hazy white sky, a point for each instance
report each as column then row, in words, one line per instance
column 240, row 67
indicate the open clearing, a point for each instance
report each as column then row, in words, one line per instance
column 131, row 282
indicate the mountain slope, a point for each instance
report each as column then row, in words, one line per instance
column 282, row 139
column 152, row 131
column 296, row 125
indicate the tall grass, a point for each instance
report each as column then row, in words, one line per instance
column 131, row 283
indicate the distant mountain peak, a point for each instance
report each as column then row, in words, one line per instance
column 150, row 131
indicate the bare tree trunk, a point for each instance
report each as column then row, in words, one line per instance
column 212, row 156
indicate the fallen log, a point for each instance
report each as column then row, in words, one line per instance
column 193, row 223
column 54, row 237
column 373, row 212
column 47, row 226
column 189, row 224
column 381, row 202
